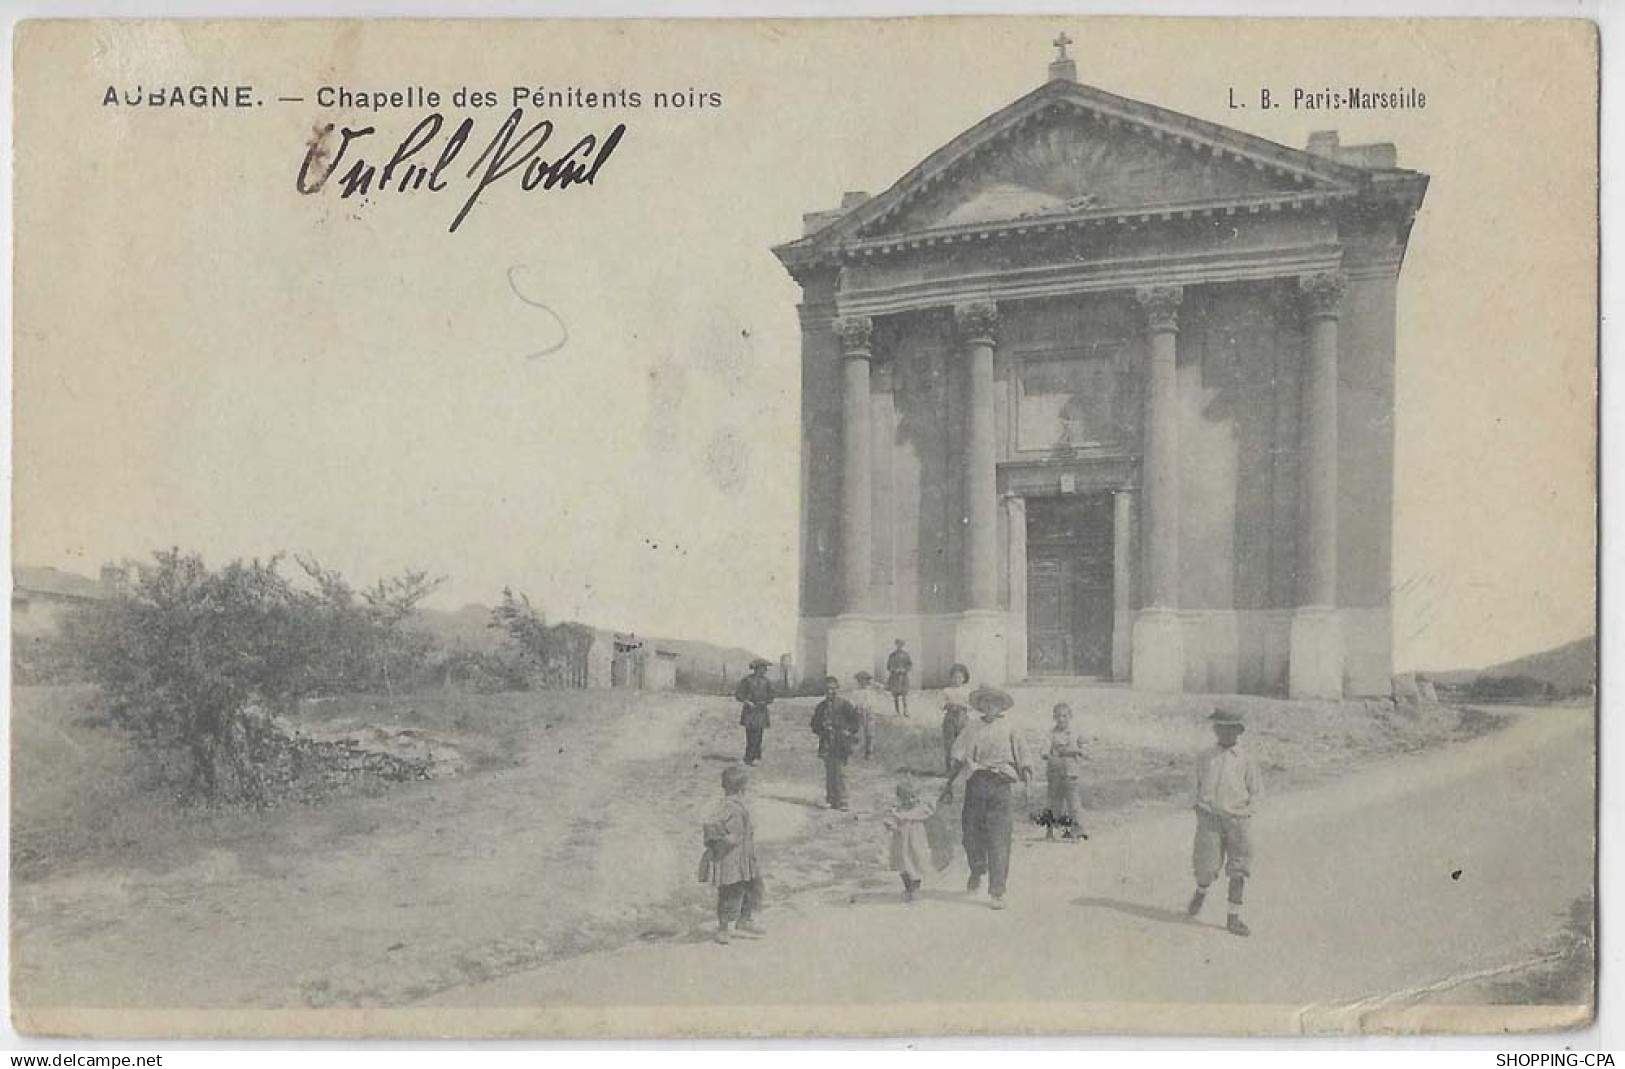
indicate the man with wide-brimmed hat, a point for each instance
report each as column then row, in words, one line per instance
column 1228, row 786
column 993, row 757
column 839, row 727
column 755, row 694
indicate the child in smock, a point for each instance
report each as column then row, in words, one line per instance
column 911, row 855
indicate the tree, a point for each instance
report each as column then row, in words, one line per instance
column 198, row 662
column 195, row 660
column 552, row 656
column 370, row 645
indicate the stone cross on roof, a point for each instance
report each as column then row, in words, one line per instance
column 1061, row 68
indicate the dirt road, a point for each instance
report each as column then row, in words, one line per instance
column 1389, row 888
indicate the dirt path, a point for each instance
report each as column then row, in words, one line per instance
column 373, row 901
column 1373, row 894
column 585, row 840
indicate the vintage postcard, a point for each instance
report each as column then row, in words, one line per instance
column 803, row 528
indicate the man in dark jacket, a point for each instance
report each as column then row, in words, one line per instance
column 754, row 694
column 839, row 727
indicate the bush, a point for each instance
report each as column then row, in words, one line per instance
column 198, row 662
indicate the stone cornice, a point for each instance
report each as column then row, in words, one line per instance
column 1072, row 277
column 1366, row 265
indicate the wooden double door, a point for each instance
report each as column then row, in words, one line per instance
column 1069, row 585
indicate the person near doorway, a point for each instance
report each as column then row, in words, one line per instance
column 898, row 665
column 955, row 715
column 839, row 727
column 755, row 694
column 993, row 758
column 1228, row 787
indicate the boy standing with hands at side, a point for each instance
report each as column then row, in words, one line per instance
column 1064, row 776
column 1227, row 788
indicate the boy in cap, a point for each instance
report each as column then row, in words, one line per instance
column 839, row 727
column 995, row 758
column 729, row 863
column 754, row 694
column 1228, row 786
column 898, row 665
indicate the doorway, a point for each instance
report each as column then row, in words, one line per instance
column 1069, row 585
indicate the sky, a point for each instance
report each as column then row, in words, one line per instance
column 206, row 358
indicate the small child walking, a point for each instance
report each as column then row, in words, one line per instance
column 911, row 855
column 1064, row 774
column 729, row 862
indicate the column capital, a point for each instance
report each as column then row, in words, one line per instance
column 1320, row 296
column 1159, row 305
column 856, row 334
column 976, row 321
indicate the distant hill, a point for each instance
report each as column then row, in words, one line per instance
column 1568, row 668
column 463, row 628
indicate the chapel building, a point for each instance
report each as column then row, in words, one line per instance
column 1102, row 390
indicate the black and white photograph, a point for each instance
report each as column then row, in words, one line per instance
column 804, row 529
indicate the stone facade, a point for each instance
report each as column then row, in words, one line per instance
column 1102, row 390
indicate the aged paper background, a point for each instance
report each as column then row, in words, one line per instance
column 206, row 358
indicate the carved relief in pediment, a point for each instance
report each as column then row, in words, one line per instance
column 1073, row 163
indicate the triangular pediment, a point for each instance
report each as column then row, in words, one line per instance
column 1068, row 150
column 1068, row 162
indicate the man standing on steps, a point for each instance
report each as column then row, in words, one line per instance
column 754, row 694
column 994, row 757
column 839, row 727
column 1228, row 786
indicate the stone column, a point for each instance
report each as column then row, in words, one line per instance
column 979, row 641
column 1122, row 584
column 851, row 636
column 1315, row 668
column 1016, row 517
column 1159, row 647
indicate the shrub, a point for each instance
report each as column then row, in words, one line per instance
column 198, row 662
